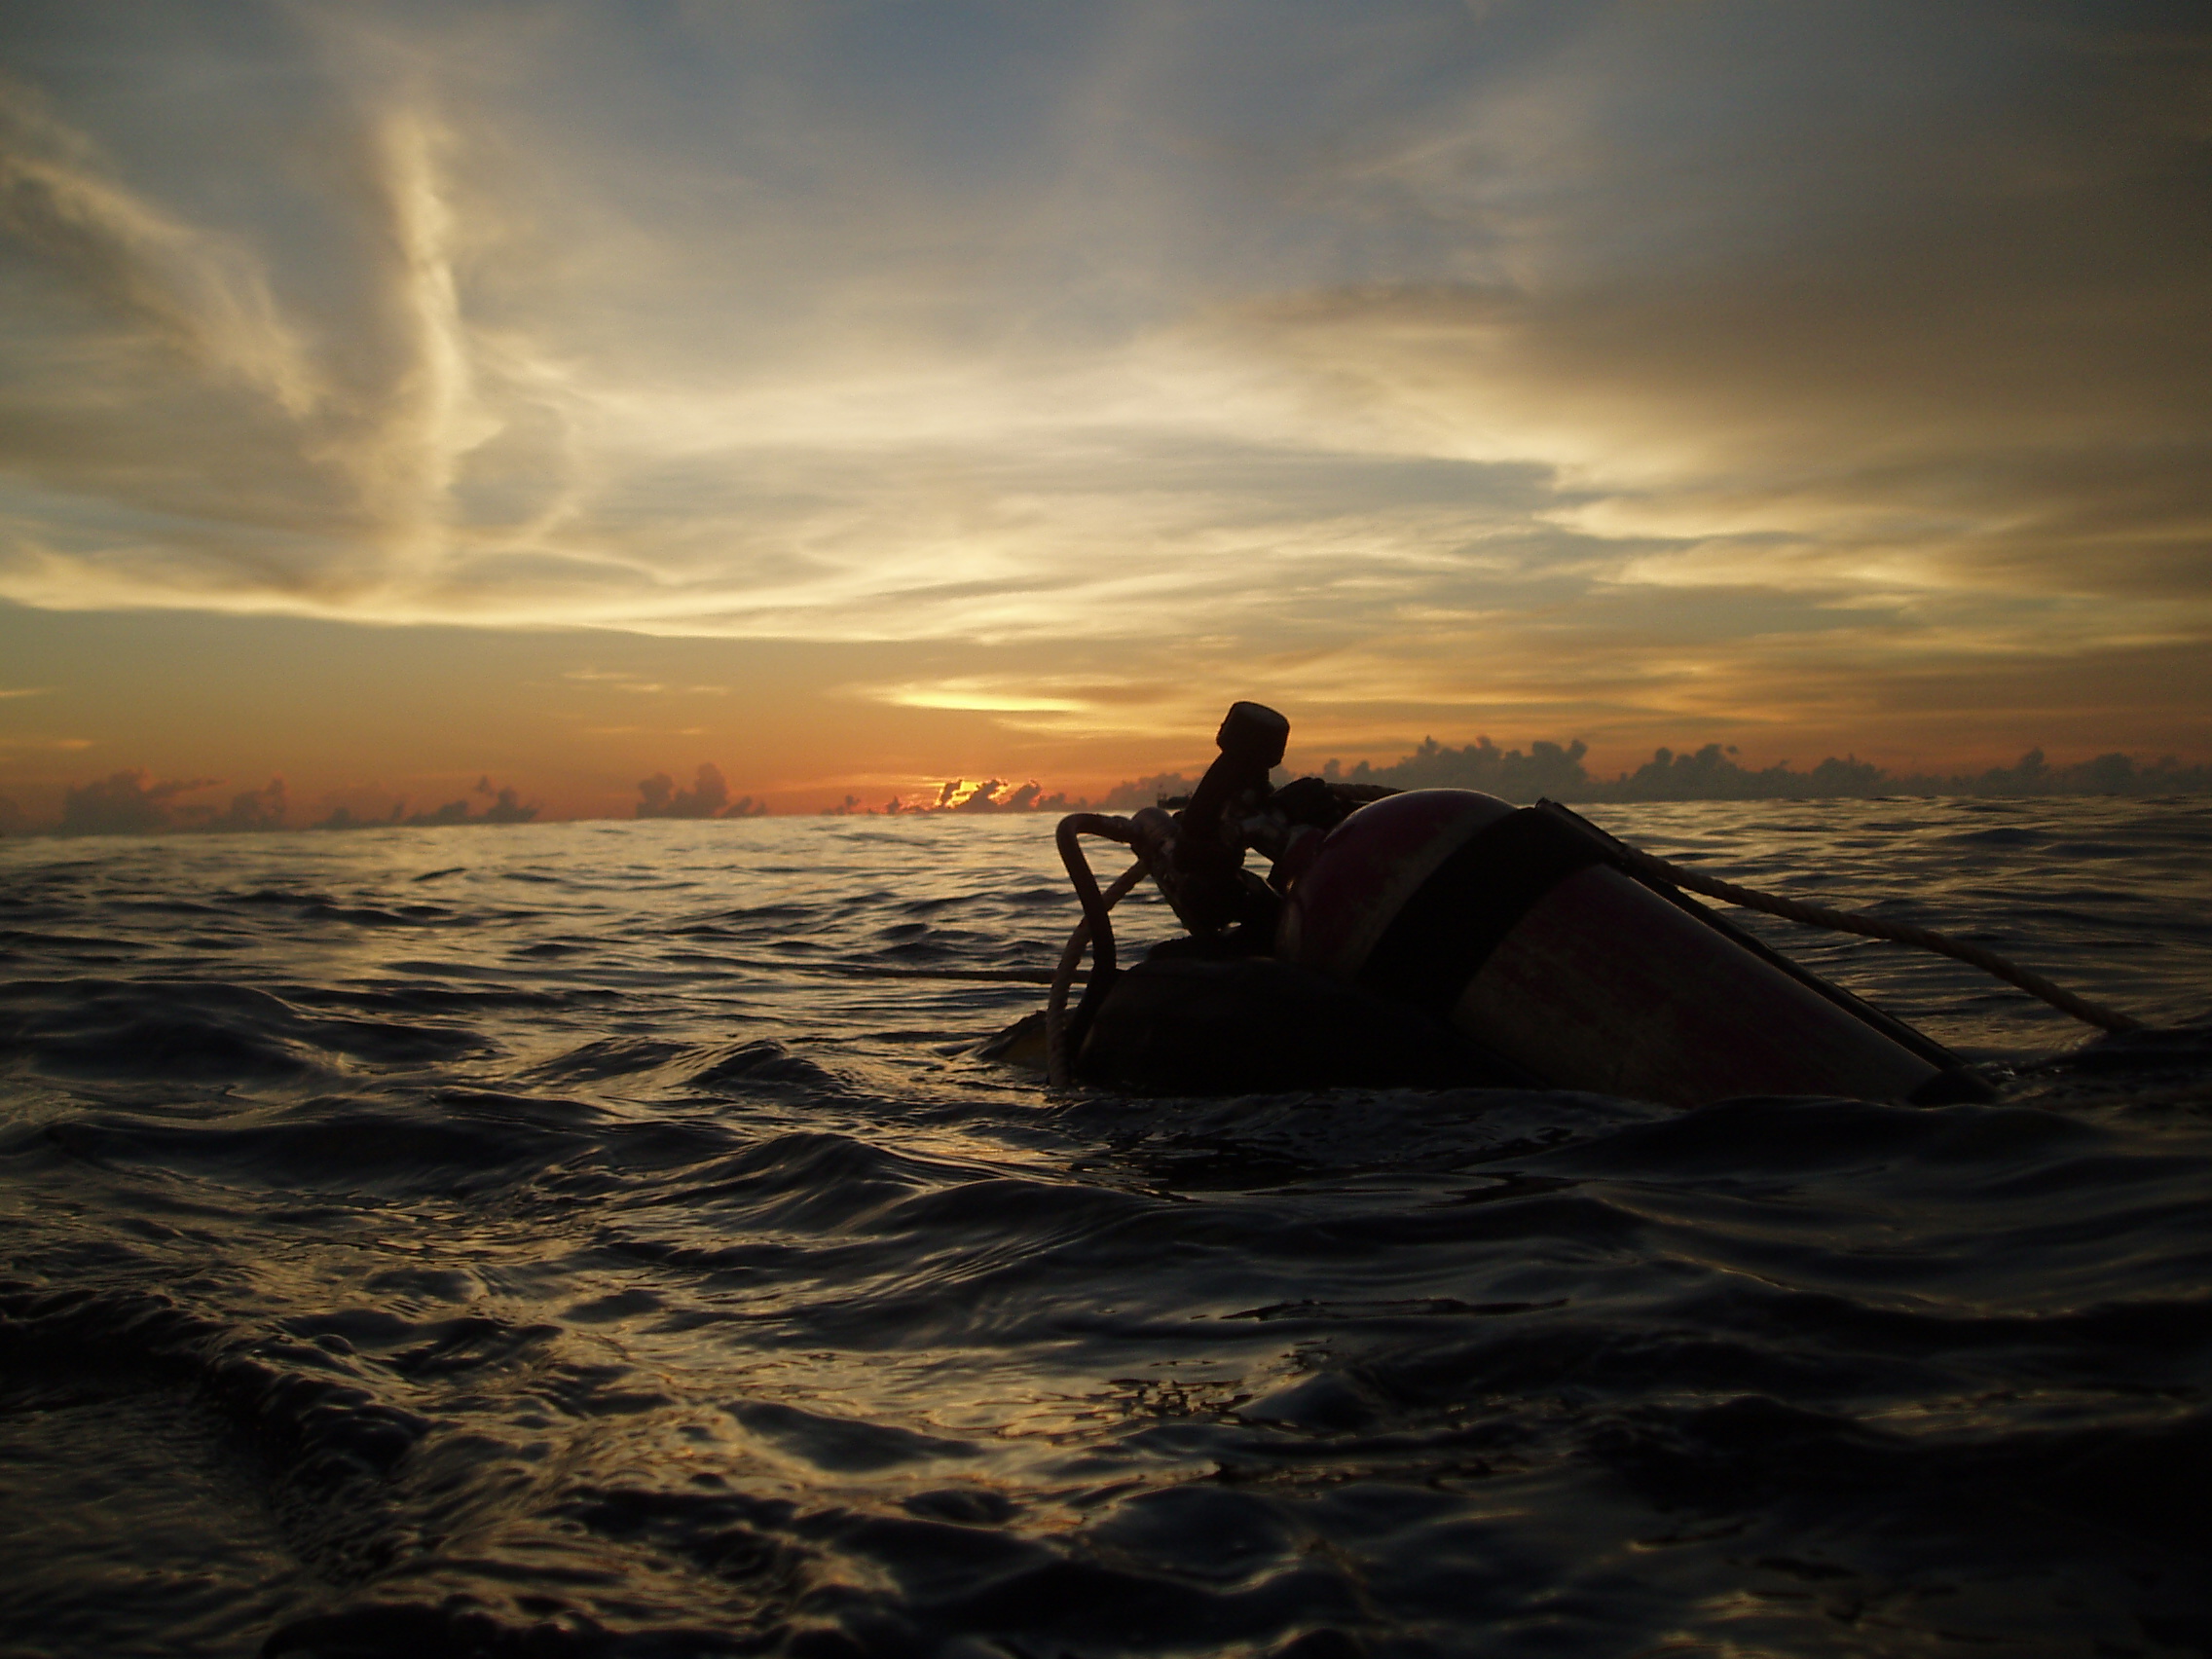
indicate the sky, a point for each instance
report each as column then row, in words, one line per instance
column 398, row 397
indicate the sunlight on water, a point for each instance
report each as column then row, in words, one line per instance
column 573, row 1239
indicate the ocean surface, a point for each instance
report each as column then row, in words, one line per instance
column 602, row 1239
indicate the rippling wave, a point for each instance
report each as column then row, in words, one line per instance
column 605, row 1239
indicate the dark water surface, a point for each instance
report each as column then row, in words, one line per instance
column 542, row 1241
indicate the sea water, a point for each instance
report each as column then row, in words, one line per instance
column 603, row 1238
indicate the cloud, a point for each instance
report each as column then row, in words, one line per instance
column 1137, row 792
column 797, row 419
column 339, row 487
column 507, row 807
column 1606, row 363
column 1911, row 328
column 1715, row 773
column 967, row 797
column 707, row 797
column 132, row 802
column 195, row 293
column 124, row 803
column 264, row 808
column 634, row 685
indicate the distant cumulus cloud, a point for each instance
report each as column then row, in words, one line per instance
column 658, row 796
column 1616, row 364
column 124, row 803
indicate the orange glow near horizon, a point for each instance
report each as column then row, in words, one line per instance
column 369, row 719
